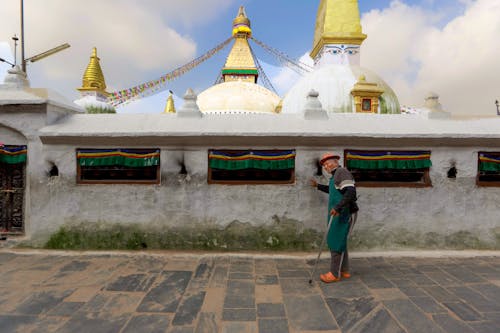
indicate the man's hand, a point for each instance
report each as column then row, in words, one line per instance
column 314, row 183
column 333, row 212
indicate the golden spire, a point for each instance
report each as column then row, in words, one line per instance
column 338, row 22
column 93, row 78
column 241, row 23
column 170, row 107
column 240, row 64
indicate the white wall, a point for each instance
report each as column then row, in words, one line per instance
column 450, row 212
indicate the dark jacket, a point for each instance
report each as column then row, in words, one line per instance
column 344, row 182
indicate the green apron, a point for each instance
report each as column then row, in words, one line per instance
column 339, row 230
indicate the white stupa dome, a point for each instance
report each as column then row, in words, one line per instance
column 238, row 97
column 334, row 84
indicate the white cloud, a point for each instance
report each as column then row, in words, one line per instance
column 136, row 40
column 284, row 79
column 459, row 61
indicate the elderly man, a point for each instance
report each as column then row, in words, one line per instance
column 341, row 205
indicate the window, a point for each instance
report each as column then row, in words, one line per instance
column 118, row 166
column 488, row 169
column 367, row 105
column 238, row 167
column 389, row 168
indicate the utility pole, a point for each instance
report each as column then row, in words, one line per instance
column 23, row 60
column 37, row 57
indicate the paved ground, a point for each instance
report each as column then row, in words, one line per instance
column 50, row 292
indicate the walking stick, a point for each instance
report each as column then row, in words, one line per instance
column 321, row 248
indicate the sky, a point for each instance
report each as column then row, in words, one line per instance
column 449, row 47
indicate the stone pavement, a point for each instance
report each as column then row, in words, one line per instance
column 169, row 293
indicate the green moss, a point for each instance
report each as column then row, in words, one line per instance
column 95, row 109
column 377, row 237
column 236, row 236
column 280, row 235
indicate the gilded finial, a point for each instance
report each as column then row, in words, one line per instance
column 170, row 107
column 279, row 107
column 241, row 24
column 93, row 78
column 337, row 22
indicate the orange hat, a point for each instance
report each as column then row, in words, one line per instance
column 328, row 156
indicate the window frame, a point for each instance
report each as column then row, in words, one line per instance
column 80, row 181
column 211, row 181
column 427, row 181
column 370, row 101
column 482, row 183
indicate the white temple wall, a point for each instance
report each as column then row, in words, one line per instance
column 451, row 213
column 19, row 125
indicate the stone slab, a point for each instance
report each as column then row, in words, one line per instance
column 239, row 315
column 379, row 321
column 188, row 309
column 271, row 310
column 273, row 326
column 463, row 311
column 411, row 317
column 132, row 282
column 207, row 323
column 147, row 323
column 308, row 313
column 349, row 312
column 165, row 297
column 451, row 325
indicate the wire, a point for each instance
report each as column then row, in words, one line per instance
column 297, row 66
column 125, row 96
column 265, row 80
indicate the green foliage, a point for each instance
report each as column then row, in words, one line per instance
column 237, row 236
column 96, row 109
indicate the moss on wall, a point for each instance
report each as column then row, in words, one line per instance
column 237, row 236
column 98, row 109
column 377, row 237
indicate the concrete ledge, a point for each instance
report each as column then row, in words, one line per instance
column 265, row 255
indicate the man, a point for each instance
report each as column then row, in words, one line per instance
column 341, row 205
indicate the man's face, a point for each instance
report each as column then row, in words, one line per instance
column 330, row 164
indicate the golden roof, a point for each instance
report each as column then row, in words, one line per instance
column 93, row 78
column 370, row 88
column 170, row 107
column 337, row 22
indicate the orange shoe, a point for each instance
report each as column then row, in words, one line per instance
column 345, row 275
column 329, row 278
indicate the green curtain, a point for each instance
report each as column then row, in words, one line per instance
column 389, row 164
column 12, row 159
column 489, row 166
column 252, row 164
column 13, row 154
column 119, row 160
